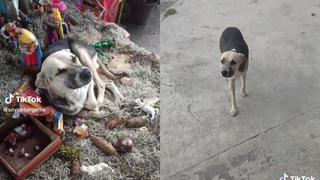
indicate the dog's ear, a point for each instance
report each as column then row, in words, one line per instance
column 222, row 60
column 243, row 64
column 242, row 56
column 41, row 81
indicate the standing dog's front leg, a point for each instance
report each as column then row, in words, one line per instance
column 232, row 84
column 243, row 85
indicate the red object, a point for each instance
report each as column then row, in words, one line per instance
column 111, row 10
column 31, row 61
column 106, row 10
column 59, row 5
column 36, row 109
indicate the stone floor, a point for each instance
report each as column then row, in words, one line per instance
column 277, row 130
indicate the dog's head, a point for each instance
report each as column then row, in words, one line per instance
column 62, row 72
column 230, row 62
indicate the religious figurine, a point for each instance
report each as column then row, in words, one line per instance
column 30, row 53
column 54, row 28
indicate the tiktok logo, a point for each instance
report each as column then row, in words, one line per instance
column 286, row 177
column 22, row 99
column 8, row 99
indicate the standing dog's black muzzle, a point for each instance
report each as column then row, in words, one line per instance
column 227, row 72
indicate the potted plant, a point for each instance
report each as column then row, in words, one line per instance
column 141, row 10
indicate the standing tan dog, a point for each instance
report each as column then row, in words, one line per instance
column 234, row 61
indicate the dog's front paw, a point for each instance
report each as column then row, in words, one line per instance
column 91, row 105
column 118, row 101
column 244, row 94
column 121, row 97
column 99, row 114
column 233, row 111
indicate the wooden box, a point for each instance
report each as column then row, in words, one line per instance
column 42, row 136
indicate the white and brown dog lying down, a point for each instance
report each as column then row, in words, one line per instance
column 234, row 61
column 69, row 77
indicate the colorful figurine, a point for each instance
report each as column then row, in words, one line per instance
column 30, row 53
column 58, row 124
column 58, row 4
column 54, row 28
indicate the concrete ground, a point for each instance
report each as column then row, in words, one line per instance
column 277, row 130
column 147, row 36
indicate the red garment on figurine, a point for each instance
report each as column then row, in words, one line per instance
column 31, row 61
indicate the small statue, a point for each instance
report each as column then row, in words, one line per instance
column 19, row 133
column 151, row 111
column 30, row 53
column 54, row 26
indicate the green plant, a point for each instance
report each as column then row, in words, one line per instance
column 170, row 12
column 69, row 152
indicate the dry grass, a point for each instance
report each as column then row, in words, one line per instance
column 144, row 161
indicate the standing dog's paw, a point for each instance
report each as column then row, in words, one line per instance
column 233, row 111
column 244, row 94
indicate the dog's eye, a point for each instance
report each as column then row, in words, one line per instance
column 60, row 71
column 233, row 62
column 223, row 61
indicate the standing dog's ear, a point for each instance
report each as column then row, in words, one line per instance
column 41, row 81
column 243, row 64
column 242, row 56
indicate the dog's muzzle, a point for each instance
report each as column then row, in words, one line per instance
column 78, row 78
column 227, row 72
column 85, row 75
